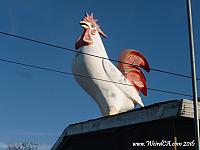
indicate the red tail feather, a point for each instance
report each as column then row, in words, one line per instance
column 129, row 63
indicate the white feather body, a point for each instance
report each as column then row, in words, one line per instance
column 106, row 94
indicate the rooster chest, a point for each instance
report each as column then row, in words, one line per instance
column 89, row 65
column 92, row 72
column 104, row 93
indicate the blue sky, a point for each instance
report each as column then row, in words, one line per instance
column 36, row 105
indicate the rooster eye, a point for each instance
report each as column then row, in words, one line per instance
column 93, row 31
column 92, row 26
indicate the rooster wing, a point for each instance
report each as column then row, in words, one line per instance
column 121, row 81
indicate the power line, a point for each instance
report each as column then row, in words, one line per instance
column 92, row 55
column 172, row 73
column 83, row 76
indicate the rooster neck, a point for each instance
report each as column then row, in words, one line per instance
column 96, row 48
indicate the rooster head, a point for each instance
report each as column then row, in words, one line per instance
column 91, row 28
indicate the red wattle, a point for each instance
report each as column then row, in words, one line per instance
column 84, row 40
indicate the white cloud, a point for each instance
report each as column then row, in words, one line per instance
column 3, row 146
column 44, row 147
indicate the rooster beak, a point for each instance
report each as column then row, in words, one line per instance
column 84, row 24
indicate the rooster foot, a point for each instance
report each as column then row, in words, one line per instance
column 112, row 111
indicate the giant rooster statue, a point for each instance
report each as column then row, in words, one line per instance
column 107, row 84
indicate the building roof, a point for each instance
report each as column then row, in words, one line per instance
column 168, row 109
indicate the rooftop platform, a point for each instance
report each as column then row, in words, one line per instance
column 163, row 118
